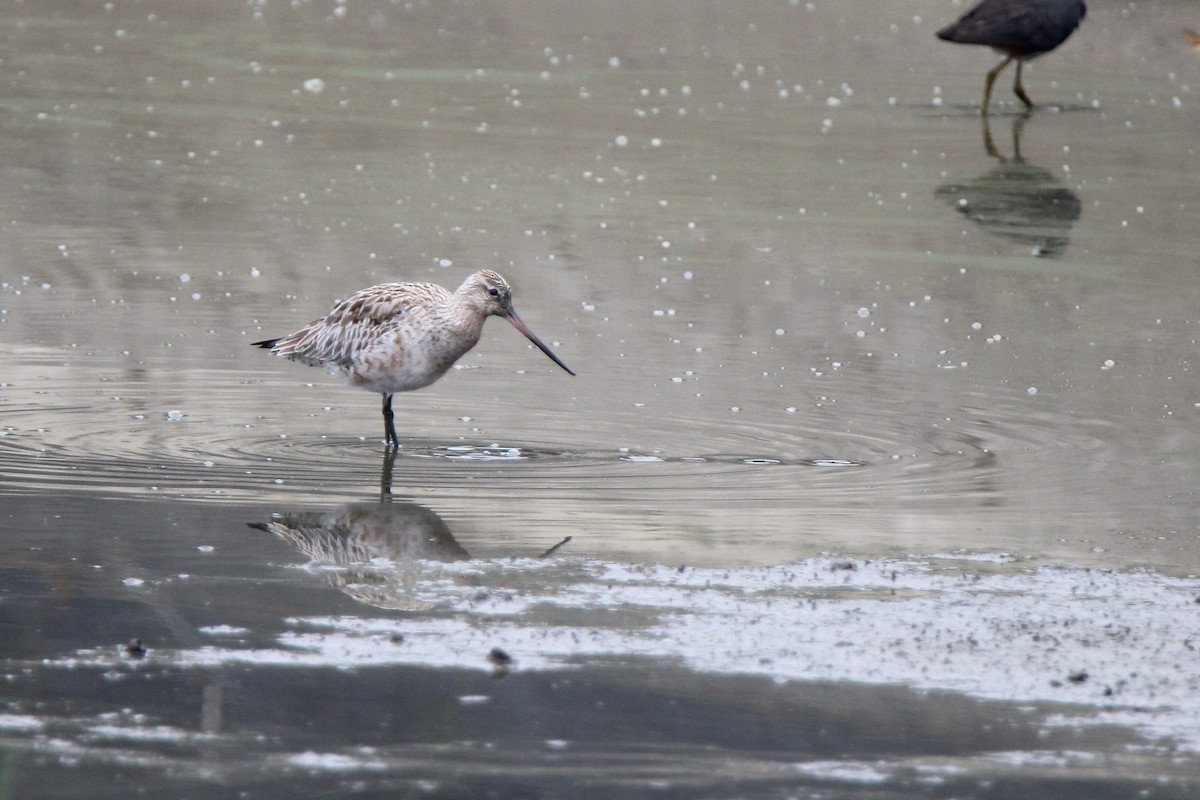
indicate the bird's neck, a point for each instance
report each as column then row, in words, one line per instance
column 465, row 317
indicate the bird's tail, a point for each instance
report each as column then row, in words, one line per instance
column 265, row 344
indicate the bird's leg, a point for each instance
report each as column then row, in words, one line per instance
column 989, row 144
column 1019, row 88
column 991, row 78
column 389, row 426
column 1018, row 126
column 385, row 476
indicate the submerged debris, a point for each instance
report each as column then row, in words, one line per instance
column 552, row 550
column 499, row 658
column 501, row 663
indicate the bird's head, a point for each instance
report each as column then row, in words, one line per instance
column 489, row 292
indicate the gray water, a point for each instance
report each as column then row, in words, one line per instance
column 840, row 345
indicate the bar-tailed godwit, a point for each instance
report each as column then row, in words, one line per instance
column 397, row 337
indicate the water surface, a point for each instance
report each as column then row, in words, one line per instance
column 854, row 368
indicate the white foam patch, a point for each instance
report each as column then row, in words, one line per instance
column 990, row 558
column 844, row 772
column 223, row 630
column 20, row 722
column 333, row 762
column 152, row 733
column 1123, row 643
column 1042, row 758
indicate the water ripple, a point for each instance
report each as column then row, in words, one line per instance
column 233, row 461
column 217, row 449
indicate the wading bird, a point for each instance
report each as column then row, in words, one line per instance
column 1020, row 29
column 397, row 337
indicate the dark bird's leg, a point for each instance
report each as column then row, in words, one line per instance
column 1019, row 88
column 991, row 78
column 1018, row 126
column 989, row 144
column 389, row 426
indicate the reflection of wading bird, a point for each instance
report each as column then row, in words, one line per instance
column 1020, row 29
column 378, row 553
column 397, row 337
column 375, row 551
column 371, row 551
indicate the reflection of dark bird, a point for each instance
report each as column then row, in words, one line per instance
column 397, row 337
column 1020, row 29
column 1016, row 200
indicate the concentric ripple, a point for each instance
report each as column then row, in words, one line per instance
column 63, row 436
column 753, row 486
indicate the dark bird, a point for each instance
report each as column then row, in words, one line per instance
column 1019, row 29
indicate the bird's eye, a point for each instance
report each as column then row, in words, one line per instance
column 494, row 292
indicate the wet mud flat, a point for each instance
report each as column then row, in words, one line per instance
column 370, row 650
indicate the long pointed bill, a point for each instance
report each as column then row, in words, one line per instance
column 512, row 317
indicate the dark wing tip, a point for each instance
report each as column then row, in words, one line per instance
column 265, row 344
column 961, row 31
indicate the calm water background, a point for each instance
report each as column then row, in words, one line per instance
column 816, row 307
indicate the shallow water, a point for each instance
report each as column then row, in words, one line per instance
column 854, row 369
